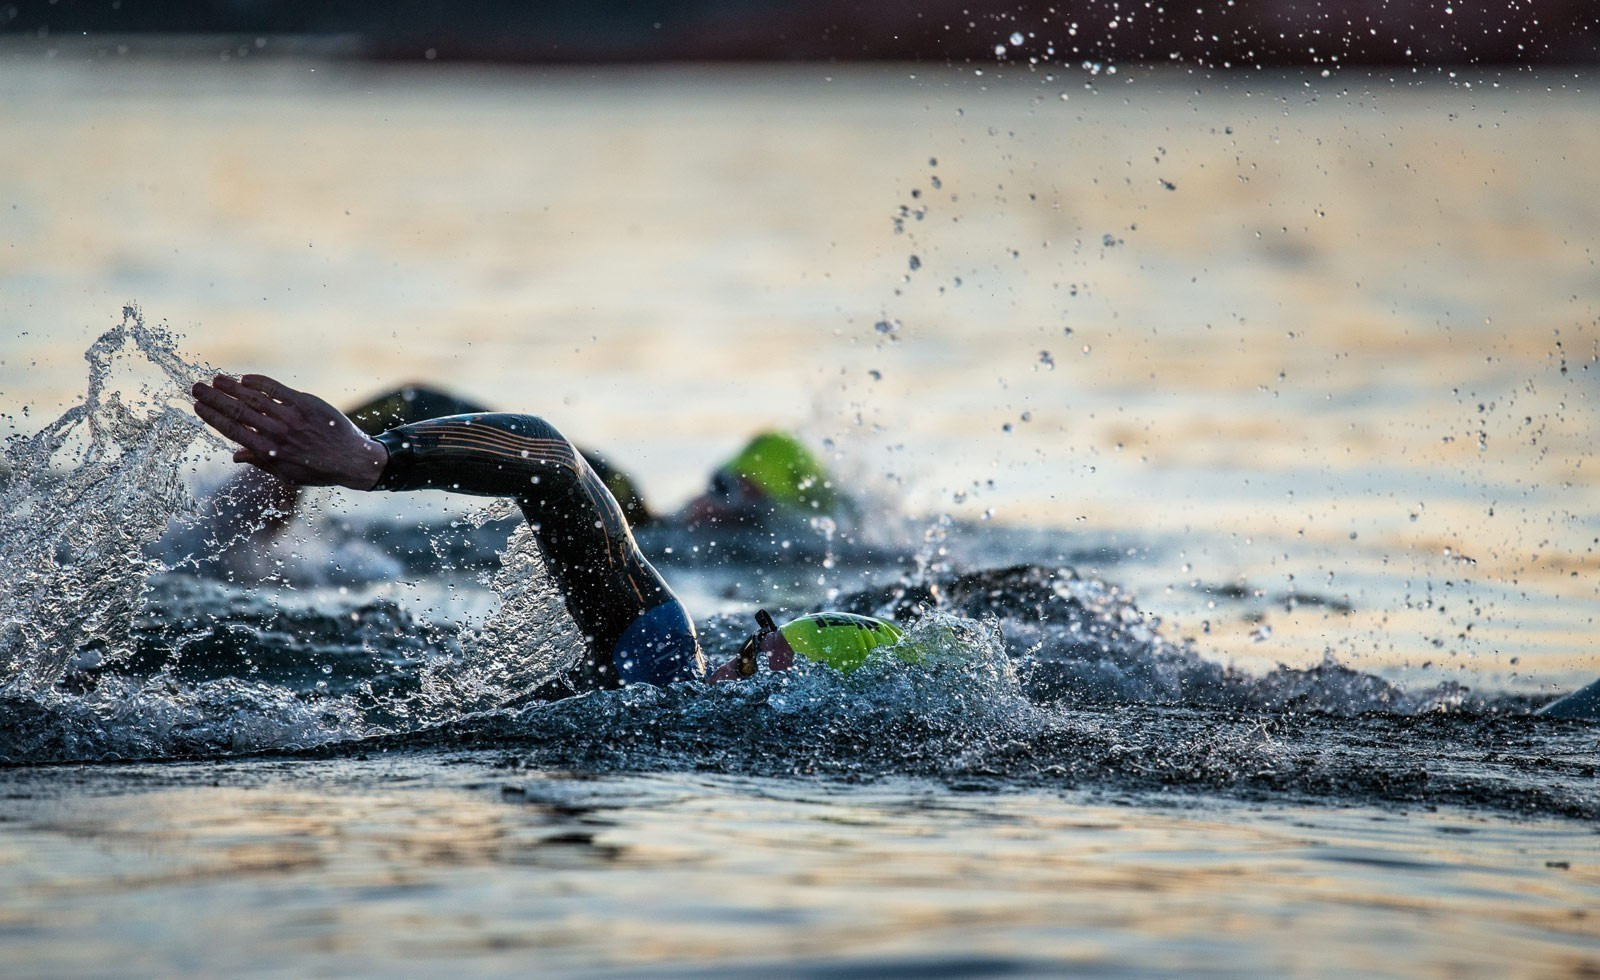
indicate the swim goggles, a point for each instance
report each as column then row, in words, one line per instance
column 752, row 646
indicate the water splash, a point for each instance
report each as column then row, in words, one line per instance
column 967, row 719
column 82, row 499
column 1080, row 641
column 96, row 663
column 527, row 640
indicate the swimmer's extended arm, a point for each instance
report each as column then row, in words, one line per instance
column 291, row 434
column 585, row 540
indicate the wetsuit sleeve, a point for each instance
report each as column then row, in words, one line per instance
column 612, row 592
column 419, row 403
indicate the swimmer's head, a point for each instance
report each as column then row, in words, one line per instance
column 840, row 640
column 774, row 472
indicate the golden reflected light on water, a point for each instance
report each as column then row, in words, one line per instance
column 667, row 869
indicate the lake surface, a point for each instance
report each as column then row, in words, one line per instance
column 407, row 867
column 1237, row 424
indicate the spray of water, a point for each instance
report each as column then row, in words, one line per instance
column 101, row 656
column 82, row 499
column 528, row 639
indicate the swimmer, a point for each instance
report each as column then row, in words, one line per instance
column 774, row 477
column 635, row 629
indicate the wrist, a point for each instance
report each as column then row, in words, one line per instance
column 367, row 466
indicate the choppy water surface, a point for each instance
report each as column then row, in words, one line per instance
column 405, row 865
column 1232, row 674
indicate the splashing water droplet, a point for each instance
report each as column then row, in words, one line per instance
column 86, row 495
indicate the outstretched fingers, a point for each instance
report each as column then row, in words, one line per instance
column 270, row 416
column 272, row 389
column 225, row 406
column 229, row 425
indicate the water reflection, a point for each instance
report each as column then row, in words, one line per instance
column 340, row 864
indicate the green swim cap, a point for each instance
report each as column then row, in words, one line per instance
column 843, row 640
column 780, row 466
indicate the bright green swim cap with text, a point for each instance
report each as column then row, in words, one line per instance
column 843, row 640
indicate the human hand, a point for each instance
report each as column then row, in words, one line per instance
column 291, row 434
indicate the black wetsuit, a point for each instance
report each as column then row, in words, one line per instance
column 417, row 403
column 635, row 627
